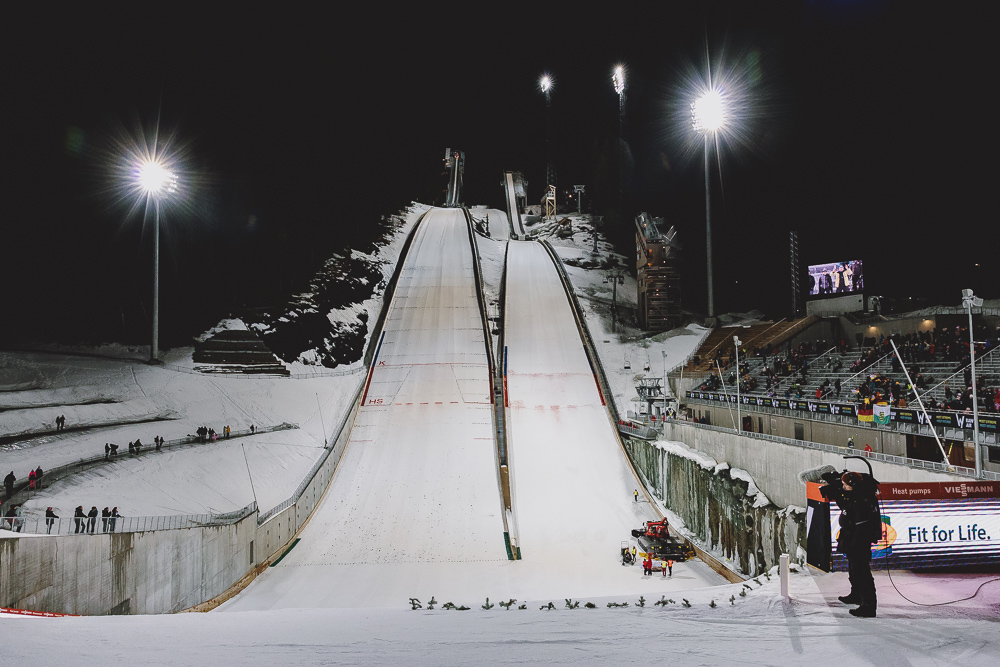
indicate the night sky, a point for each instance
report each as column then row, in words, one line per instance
column 863, row 127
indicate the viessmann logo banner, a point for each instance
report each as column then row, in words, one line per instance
column 938, row 522
column 987, row 423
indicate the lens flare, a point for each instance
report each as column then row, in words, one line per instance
column 155, row 180
column 708, row 112
column 618, row 79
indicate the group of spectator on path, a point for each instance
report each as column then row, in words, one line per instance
column 206, row 434
column 86, row 522
column 134, row 447
column 34, row 480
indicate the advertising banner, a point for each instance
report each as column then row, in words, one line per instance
column 869, row 414
column 929, row 525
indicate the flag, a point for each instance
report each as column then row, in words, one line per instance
column 865, row 413
column 881, row 414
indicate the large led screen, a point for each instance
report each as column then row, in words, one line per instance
column 933, row 525
column 836, row 278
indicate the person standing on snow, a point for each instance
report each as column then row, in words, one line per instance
column 670, row 568
column 860, row 527
column 635, row 495
column 663, row 565
column 647, row 566
column 31, row 480
column 50, row 518
column 8, row 483
column 38, row 477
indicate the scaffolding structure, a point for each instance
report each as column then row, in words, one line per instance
column 658, row 279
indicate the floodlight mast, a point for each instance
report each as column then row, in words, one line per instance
column 969, row 300
column 739, row 412
column 708, row 117
column 545, row 84
column 156, row 181
column 618, row 81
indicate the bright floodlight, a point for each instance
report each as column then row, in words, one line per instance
column 545, row 84
column 708, row 112
column 618, row 79
column 154, row 179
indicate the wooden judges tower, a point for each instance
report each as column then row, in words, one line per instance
column 659, row 291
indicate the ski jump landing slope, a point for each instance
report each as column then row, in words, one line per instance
column 571, row 483
column 414, row 508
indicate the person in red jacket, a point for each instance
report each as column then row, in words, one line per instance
column 647, row 566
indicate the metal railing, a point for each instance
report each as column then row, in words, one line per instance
column 63, row 471
column 874, row 456
column 63, row 525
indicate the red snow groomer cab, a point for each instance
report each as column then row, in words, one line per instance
column 655, row 539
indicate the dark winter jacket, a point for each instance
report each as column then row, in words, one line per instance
column 860, row 519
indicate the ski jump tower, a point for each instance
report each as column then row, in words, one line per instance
column 454, row 163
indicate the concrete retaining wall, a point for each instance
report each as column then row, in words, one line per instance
column 737, row 528
column 775, row 466
column 150, row 572
column 883, row 441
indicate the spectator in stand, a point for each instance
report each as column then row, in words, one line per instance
column 92, row 519
column 114, row 518
column 105, row 517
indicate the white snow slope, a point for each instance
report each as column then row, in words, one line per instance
column 572, row 486
column 415, row 500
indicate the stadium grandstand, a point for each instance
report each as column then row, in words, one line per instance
column 832, row 380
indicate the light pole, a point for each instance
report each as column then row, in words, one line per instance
column 663, row 354
column 618, row 81
column 545, row 83
column 156, row 182
column 739, row 414
column 969, row 300
column 708, row 116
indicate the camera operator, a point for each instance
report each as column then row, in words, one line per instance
column 860, row 527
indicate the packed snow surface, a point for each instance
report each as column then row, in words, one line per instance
column 416, row 496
